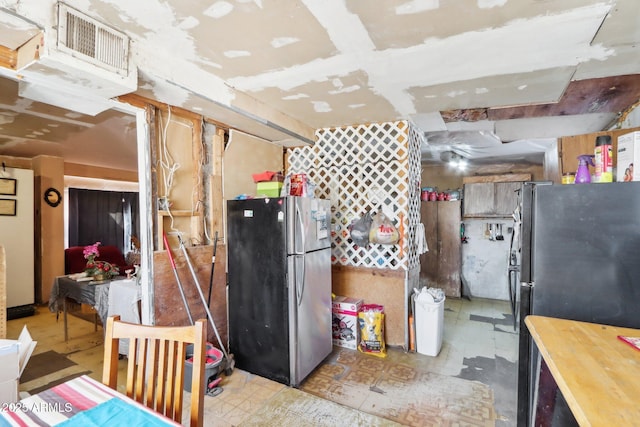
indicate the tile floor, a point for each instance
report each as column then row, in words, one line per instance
column 479, row 344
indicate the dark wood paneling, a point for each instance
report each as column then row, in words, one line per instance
column 429, row 260
column 604, row 95
column 479, row 199
column 507, row 197
column 441, row 265
column 573, row 146
column 450, row 259
column 169, row 309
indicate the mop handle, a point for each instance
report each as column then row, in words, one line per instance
column 166, row 245
column 175, row 273
column 204, row 301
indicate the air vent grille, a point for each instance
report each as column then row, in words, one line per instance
column 84, row 37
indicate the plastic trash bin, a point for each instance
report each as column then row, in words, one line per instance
column 429, row 319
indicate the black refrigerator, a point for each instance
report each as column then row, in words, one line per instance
column 279, row 274
column 580, row 260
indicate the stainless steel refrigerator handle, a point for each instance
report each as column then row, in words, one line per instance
column 300, row 292
column 300, row 232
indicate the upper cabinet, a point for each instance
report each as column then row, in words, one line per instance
column 492, row 196
column 570, row 147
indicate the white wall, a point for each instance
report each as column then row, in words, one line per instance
column 16, row 235
column 244, row 156
column 485, row 262
column 632, row 120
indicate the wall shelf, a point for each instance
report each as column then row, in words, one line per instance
column 196, row 218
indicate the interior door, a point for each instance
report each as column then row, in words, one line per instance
column 449, row 252
column 441, row 265
column 429, row 259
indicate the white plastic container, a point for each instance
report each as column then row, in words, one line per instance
column 429, row 319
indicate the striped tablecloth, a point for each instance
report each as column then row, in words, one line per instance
column 81, row 401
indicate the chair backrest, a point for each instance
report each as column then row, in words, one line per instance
column 156, row 365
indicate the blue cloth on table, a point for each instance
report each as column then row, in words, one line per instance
column 115, row 412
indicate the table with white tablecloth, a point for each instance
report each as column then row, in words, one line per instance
column 117, row 296
column 124, row 296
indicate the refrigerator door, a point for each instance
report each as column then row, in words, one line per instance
column 585, row 243
column 310, row 310
column 258, row 297
column 579, row 262
column 308, row 224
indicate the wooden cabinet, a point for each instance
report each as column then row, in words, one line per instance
column 570, row 147
column 441, row 265
column 490, row 199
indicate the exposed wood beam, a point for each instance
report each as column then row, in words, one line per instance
column 88, row 171
column 8, row 58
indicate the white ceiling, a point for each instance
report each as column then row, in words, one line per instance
column 281, row 69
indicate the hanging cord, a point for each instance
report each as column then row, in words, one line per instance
column 198, row 185
column 205, row 159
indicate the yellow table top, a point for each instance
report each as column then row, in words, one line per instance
column 598, row 374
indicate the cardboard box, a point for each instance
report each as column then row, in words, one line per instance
column 268, row 189
column 628, row 167
column 14, row 355
column 345, row 321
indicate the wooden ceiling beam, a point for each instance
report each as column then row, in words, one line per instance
column 8, row 58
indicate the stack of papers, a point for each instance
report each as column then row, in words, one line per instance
column 23, row 347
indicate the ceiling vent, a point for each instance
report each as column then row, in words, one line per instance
column 81, row 65
column 84, row 37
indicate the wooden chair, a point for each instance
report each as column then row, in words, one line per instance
column 155, row 372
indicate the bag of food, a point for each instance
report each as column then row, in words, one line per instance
column 359, row 230
column 298, row 185
column 383, row 231
column 371, row 325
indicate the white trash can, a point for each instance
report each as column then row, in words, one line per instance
column 429, row 319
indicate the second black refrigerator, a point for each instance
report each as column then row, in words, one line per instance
column 580, row 260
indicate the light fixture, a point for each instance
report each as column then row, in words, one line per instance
column 456, row 161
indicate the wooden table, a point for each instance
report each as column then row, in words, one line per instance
column 598, row 375
column 80, row 401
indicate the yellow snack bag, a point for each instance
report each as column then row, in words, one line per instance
column 371, row 324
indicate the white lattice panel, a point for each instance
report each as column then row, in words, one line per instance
column 416, row 140
column 361, row 168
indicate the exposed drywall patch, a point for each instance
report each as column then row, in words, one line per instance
column 481, row 90
column 256, row 2
column 219, row 9
column 295, row 97
column 488, row 4
column 189, row 23
column 522, row 87
column 283, row 41
column 354, row 106
column 344, row 90
column 344, row 28
column 170, row 94
column 455, row 93
column 562, row 39
column 236, row 53
column 321, row 106
column 340, row 88
column 417, row 6
column 165, row 37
